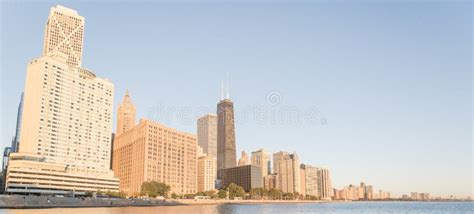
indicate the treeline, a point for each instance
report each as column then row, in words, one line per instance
column 232, row 191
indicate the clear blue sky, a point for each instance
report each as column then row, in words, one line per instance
column 391, row 82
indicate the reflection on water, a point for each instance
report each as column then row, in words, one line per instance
column 354, row 207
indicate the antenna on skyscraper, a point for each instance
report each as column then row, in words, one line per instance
column 227, row 82
column 222, row 90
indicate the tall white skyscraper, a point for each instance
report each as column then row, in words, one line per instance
column 324, row 183
column 207, row 134
column 64, row 33
column 287, row 169
column 66, row 123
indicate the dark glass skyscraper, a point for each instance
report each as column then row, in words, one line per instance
column 226, row 152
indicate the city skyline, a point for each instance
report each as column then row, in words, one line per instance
column 244, row 98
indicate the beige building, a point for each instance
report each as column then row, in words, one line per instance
column 287, row 168
column 125, row 115
column 244, row 159
column 269, row 182
column 153, row 152
column 311, row 180
column 67, row 110
column 29, row 173
column 261, row 158
column 207, row 134
column 324, row 183
column 64, row 33
column 206, row 173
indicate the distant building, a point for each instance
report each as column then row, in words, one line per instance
column 16, row 138
column 125, row 115
column 261, row 158
column 206, row 173
column 226, row 151
column 287, row 169
column 153, row 152
column 244, row 159
column 414, row 196
column 324, row 183
column 207, row 134
column 311, row 181
column 369, row 192
column 247, row 176
column 269, row 182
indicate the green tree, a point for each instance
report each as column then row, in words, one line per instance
column 257, row 193
column 210, row 193
column 235, row 191
column 154, row 188
column 222, row 193
column 275, row 194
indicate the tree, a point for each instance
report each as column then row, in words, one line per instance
column 235, row 191
column 257, row 193
column 174, row 195
column 222, row 193
column 275, row 194
column 210, row 193
column 154, row 188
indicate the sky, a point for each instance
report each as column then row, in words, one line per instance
column 379, row 92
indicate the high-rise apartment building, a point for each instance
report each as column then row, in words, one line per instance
column 261, row 158
column 206, row 173
column 226, row 151
column 287, row 169
column 324, row 183
column 311, row 181
column 153, row 152
column 125, row 115
column 67, row 113
column 244, row 159
column 207, row 134
column 64, row 33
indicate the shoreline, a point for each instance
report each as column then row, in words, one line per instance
column 45, row 202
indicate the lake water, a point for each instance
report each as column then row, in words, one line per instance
column 343, row 207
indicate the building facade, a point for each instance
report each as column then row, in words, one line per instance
column 207, row 134
column 287, row 169
column 126, row 113
column 226, row 151
column 248, row 177
column 67, row 111
column 153, row 152
column 206, row 173
column 324, row 183
column 310, row 186
column 261, row 158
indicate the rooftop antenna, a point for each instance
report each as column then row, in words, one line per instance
column 227, row 79
column 222, row 90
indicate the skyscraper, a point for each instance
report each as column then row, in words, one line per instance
column 207, row 134
column 261, row 158
column 125, row 115
column 226, row 151
column 64, row 33
column 324, row 183
column 16, row 138
column 287, row 169
column 311, row 181
column 244, row 159
column 67, row 113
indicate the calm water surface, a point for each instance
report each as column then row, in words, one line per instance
column 348, row 207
